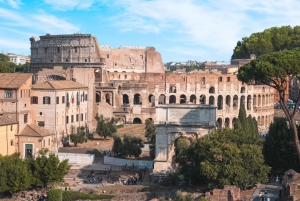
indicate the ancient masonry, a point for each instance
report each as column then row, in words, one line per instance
column 129, row 82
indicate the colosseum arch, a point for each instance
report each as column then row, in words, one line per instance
column 125, row 99
column 182, row 99
column 227, row 122
column 211, row 100
column 259, row 100
column 162, row 99
column 267, row 100
column 235, row 101
column 228, row 99
column 202, row 99
column 108, row 98
column 172, row 99
column 219, row 120
column 211, row 90
column 98, row 97
column 151, row 99
column 193, row 99
column 254, row 101
column 249, row 102
column 137, row 99
column 263, row 100
column 220, row 102
column 233, row 122
column 242, row 102
column 137, row 121
column 243, row 90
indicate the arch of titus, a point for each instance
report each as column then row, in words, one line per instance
column 175, row 121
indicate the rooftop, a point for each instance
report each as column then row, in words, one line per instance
column 34, row 131
column 13, row 80
column 59, row 84
column 6, row 121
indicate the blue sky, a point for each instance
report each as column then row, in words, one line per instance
column 181, row 30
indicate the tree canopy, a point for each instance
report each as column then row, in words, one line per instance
column 78, row 135
column 275, row 70
column 106, row 127
column 150, row 135
column 270, row 40
column 9, row 67
column 128, row 146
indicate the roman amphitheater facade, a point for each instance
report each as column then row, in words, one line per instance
column 129, row 82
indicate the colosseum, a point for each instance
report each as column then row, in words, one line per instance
column 128, row 82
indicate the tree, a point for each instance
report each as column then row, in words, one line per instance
column 129, row 146
column 275, row 70
column 117, row 146
column 106, row 127
column 48, row 170
column 4, row 58
column 79, row 136
column 150, row 135
column 15, row 174
column 279, row 149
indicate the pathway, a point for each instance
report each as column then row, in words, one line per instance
column 272, row 188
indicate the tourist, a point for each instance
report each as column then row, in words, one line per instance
column 266, row 194
column 277, row 179
column 259, row 195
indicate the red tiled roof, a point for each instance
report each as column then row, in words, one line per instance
column 59, row 84
column 7, row 121
column 13, row 80
column 34, row 131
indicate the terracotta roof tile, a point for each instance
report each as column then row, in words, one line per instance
column 59, row 84
column 7, row 121
column 34, row 131
column 13, row 80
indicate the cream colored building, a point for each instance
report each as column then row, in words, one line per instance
column 8, row 130
column 32, row 139
column 58, row 105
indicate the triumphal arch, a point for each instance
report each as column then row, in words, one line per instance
column 179, row 120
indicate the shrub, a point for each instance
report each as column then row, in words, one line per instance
column 75, row 195
column 120, row 126
column 54, row 195
column 171, row 180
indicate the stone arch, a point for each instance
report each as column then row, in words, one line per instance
column 193, row 99
column 98, row 97
column 243, row 90
column 258, row 121
column 108, row 98
column 263, row 100
column 137, row 99
column 227, row 122
column 137, row 120
column 182, row 99
column 125, row 99
column 254, row 101
column 219, row 120
column 249, row 102
column 235, row 101
column 263, row 89
column 233, row 122
column 228, row 100
column 211, row 90
column 267, row 100
column 172, row 99
column 259, row 100
column 220, row 102
column 151, row 99
column 162, row 99
column 262, row 120
column 202, row 99
column 242, row 102
column 212, row 100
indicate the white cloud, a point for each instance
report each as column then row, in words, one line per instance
column 210, row 24
column 14, row 3
column 70, row 4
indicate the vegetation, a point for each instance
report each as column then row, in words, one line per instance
column 171, row 180
column 129, row 146
column 79, row 136
column 150, row 135
column 279, row 149
column 19, row 174
column 120, row 126
column 219, row 158
column 59, row 195
column 275, row 70
column 270, row 40
column 180, row 197
column 106, row 127
column 9, row 67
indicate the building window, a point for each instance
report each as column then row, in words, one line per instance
column 49, row 142
column 57, row 99
column 75, row 49
column 41, row 113
column 67, row 60
column 77, row 117
column 63, row 99
column 41, row 123
column 43, row 143
column 67, row 119
column 86, row 97
column 141, row 56
column 12, row 143
column 21, row 93
column 107, row 56
column 81, row 119
column 72, row 118
column 25, row 118
column 220, row 79
column 11, row 127
column 8, row 94
column 45, row 50
column 34, row 100
column 46, row 100
column 85, row 60
column 125, row 76
column 203, row 80
column 228, row 79
column 58, row 49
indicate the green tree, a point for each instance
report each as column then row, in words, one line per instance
column 275, row 70
column 131, row 146
column 4, row 58
column 179, row 196
column 4, row 68
column 279, row 149
column 150, row 135
column 117, row 146
column 79, row 136
column 106, row 127
column 49, row 169
column 15, row 174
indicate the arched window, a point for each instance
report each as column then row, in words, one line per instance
column 172, row 99
column 220, row 102
column 193, row 99
column 162, row 99
column 137, row 99
column 182, row 99
column 211, row 90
